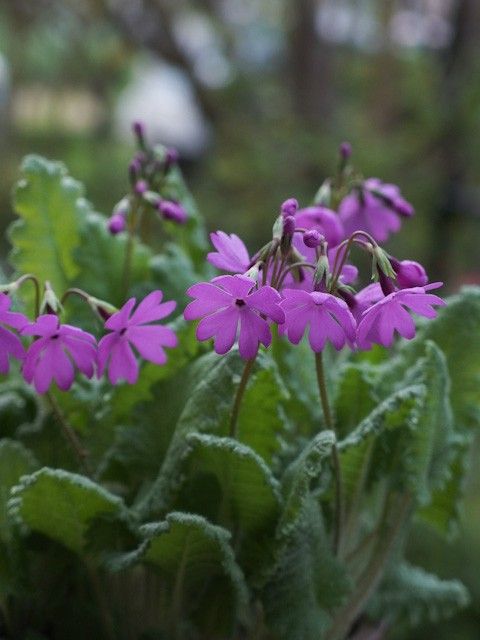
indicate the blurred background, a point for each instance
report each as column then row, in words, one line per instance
column 257, row 95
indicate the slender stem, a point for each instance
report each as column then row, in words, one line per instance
column 74, row 292
column 80, row 453
column 34, row 280
column 371, row 577
column 322, row 387
column 127, row 265
column 239, row 397
column 295, row 265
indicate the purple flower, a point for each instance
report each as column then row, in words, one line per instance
column 117, row 224
column 329, row 319
column 228, row 307
column 10, row 345
column 313, row 238
column 231, row 254
column 115, row 349
column 59, row 349
column 376, row 209
column 409, row 273
column 325, row 221
column 172, row 211
column 364, row 299
column 379, row 322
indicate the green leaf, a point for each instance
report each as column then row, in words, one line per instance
column 386, row 432
column 308, row 582
column 355, row 397
column 15, row 461
column 196, row 558
column 213, row 382
column 61, row 505
column 50, row 206
column 100, row 259
column 298, row 478
column 456, row 332
column 409, row 595
column 174, row 272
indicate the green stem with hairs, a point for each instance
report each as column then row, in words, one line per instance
column 322, row 388
column 239, row 397
column 80, row 453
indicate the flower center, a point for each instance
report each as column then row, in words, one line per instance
column 239, row 302
column 55, row 336
column 122, row 331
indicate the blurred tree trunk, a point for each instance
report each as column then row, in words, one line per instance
column 309, row 60
column 457, row 62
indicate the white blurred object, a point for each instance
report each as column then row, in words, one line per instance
column 161, row 97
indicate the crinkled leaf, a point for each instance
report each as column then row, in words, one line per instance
column 61, row 505
column 409, row 596
column 50, row 207
column 196, row 557
column 355, row 397
column 15, row 461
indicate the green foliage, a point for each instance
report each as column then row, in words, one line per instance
column 196, row 558
column 411, row 596
column 50, row 207
column 61, row 505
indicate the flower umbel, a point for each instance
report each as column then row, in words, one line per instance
column 115, row 349
column 228, row 306
column 55, row 354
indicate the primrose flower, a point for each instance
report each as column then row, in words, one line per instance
column 228, row 307
column 377, row 209
column 325, row 221
column 231, row 254
column 115, row 349
column 55, row 354
column 409, row 273
column 380, row 321
column 10, row 345
column 329, row 319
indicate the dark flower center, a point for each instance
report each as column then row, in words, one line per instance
column 55, row 336
column 239, row 302
column 122, row 331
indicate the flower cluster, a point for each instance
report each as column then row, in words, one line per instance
column 149, row 187
column 59, row 349
column 302, row 279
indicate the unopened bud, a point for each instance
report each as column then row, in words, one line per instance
column 172, row 211
column 140, row 187
column 409, row 273
column 253, row 271
column 171, row 157
column 50, row 303
column 345, row 150
column 138, row 129
column 322, row 271
column 313, row 238
column 116, row 224
column 104, row 310
column 289, row 207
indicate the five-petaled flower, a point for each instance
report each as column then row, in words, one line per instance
column 329, row 319
column 55, row 354
column 231, row 254
column 228, row 307
column 10, row 344
column 379, row 322
column 115, row 349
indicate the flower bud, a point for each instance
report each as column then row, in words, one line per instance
column 140, row 187
column 322, row 271
column 171, row 157
column 409, row 273
column 50, row 303
column 289, row 207
column 381, row 262
column 345, row 150
column 172, row 211
column 138, row 129
column 134, row 170
column 101, row 308
column 313, row 238
column 288, row 226
column 253, row 271
column 116, row 224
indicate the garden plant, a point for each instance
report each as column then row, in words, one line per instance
column 199, row 441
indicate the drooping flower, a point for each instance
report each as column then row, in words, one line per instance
column 115, row 352
column 328, row 317
column 409, row 273
column 10, row 345
column 229, row 308
column 231, row 254
column 55, row 354
column 380, row 321
column 377, row 209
